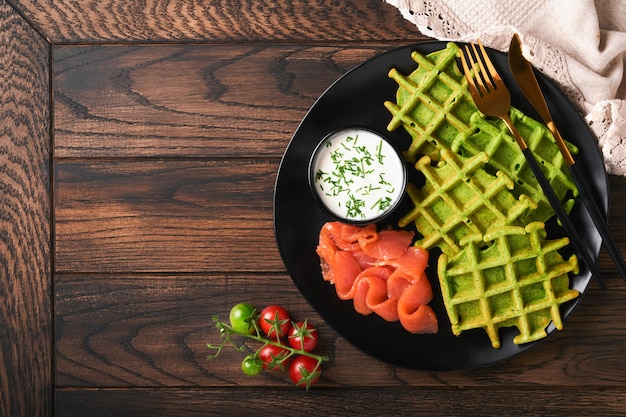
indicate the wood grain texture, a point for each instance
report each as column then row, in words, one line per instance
column 169, row 119
column 90, row 21
column 152, row 330
column 198, row 100
column 365, row 402
column 25, row 264
column 165, row 216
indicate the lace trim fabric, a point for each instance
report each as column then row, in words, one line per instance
column 607, row 121
column 495, row 22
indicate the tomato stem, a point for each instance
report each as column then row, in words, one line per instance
column 228, row 331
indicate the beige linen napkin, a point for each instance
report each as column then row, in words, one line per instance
column 579, row 44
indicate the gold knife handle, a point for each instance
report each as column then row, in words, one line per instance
column 560, row 143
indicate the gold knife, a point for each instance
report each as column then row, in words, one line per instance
column 523, row 73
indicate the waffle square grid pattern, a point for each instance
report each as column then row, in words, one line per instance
column 435, row 107
column 458, row 199
column 481, row 205
column 519, row 279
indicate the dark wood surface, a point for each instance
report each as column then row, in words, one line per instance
column 140, row 144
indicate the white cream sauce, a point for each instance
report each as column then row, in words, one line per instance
column 358, row 175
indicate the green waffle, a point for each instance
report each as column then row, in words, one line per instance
column 519, row 280
column 459, row 199
column 481, row 204
column 435, row 107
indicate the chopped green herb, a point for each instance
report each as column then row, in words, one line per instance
column 355, row 207
column 354, row 176
column 379, row 152
column 382, row 204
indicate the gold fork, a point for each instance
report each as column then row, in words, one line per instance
column 492, row 98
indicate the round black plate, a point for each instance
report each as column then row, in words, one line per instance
column 356, row 99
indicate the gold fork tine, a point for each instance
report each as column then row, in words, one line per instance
column 480, row 82
column 494, row 78
column 480, row 74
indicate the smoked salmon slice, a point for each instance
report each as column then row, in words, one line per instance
column 380, row 271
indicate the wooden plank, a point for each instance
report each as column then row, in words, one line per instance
column 165, row 216
column 365, row 402
column 87, row 21
column 152, row 330
column 162, row 216
column 25, row 265
column 192, row 100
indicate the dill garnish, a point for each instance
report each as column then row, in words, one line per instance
column 356, row 175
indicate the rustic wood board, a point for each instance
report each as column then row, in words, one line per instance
column 140, row 147
column 25, row 264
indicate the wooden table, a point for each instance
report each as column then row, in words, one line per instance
column 139, row 147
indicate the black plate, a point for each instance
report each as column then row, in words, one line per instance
column 357, row 99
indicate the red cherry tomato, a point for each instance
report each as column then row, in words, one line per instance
column 273, row 357
column 275, row 321
column 303, row 336
column 302, row 371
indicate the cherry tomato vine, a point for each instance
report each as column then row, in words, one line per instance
column 283, row 344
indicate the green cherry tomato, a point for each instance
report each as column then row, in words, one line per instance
column 251, row 366
column 242, row 318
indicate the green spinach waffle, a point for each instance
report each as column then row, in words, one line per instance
column 459, row 199
column 435, row 107
column 519, row 280
column 481, row 204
